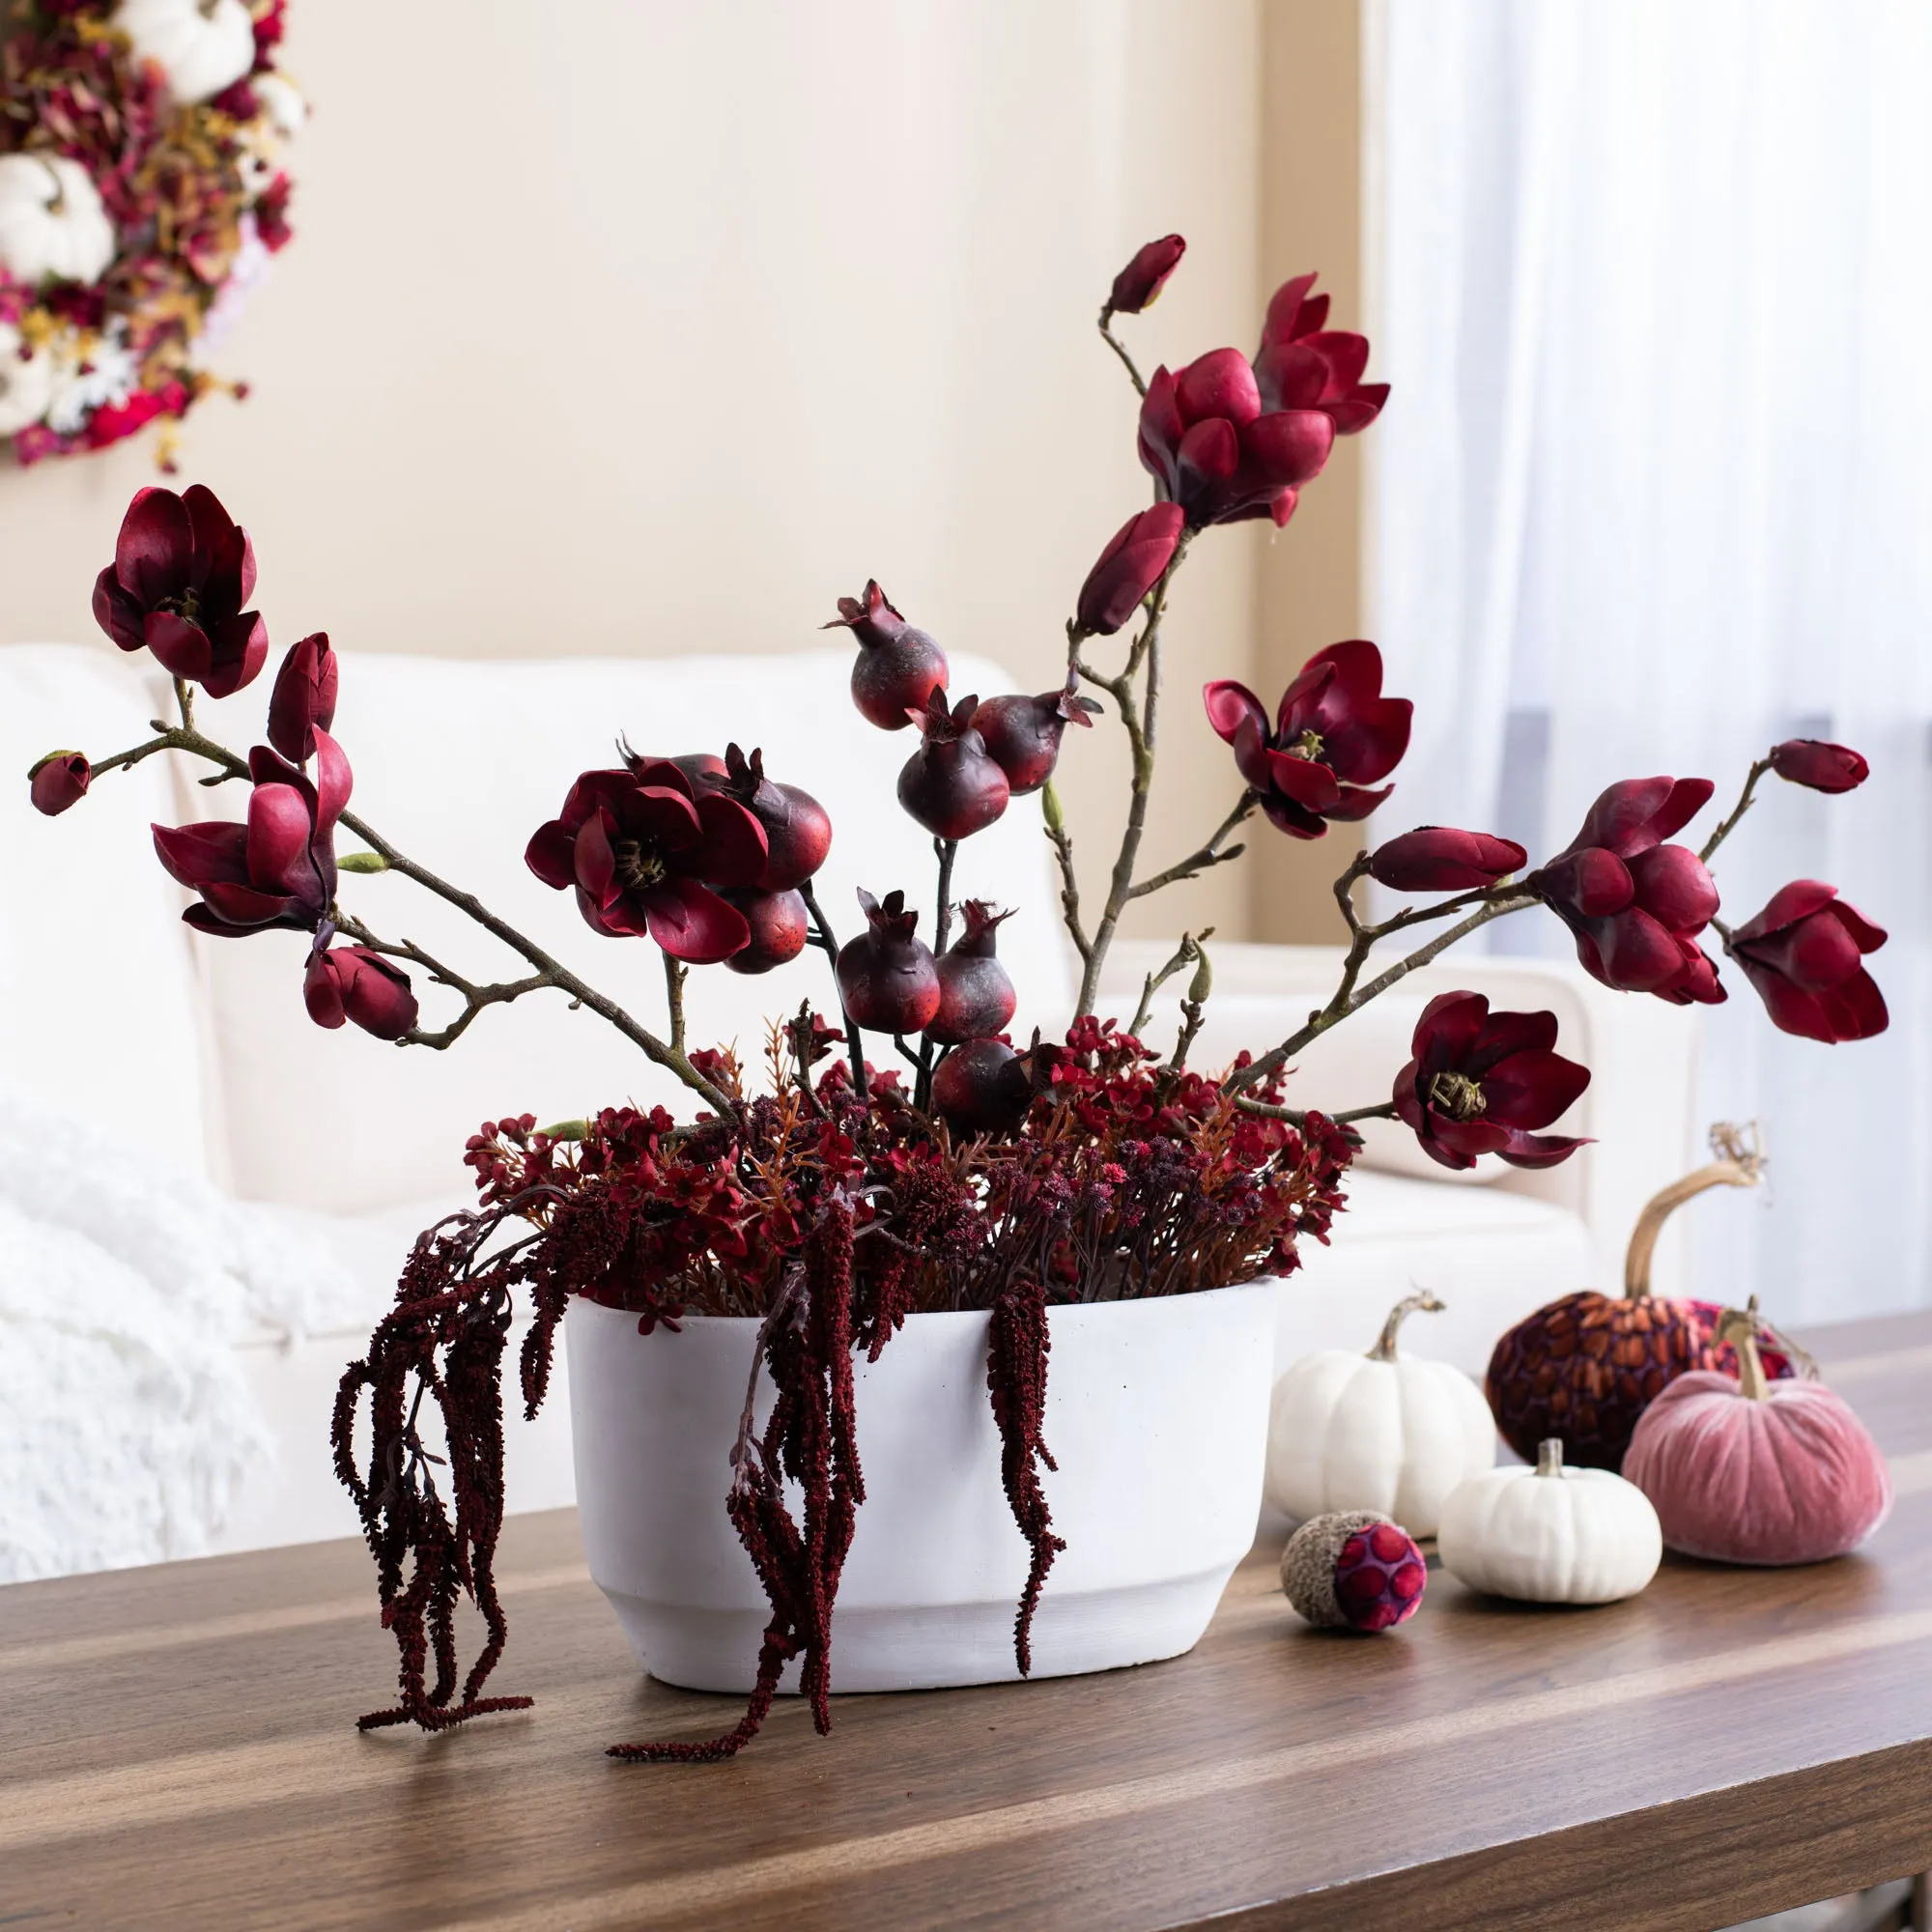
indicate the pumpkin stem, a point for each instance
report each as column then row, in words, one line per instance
column 1739, row 1163
column 58, row 205
column 1422, row 1302
column 1549, row 1456
column 1739, row 1327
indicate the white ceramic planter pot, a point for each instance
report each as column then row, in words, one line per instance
column 1157, row 1414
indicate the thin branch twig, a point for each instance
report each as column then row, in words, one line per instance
column 1120, row 349
column 1209, row 854
column 1745, row 802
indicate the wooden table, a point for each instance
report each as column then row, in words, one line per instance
column 176, row 1749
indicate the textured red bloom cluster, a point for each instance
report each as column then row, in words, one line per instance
column 150, row 167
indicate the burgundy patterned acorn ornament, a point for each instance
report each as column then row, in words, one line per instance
column 1353, row 1570
column 1584, row 1367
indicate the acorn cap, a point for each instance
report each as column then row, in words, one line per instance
column 1308, row 1565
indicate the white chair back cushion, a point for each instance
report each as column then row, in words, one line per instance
column 458, row 763
column 100, row 1010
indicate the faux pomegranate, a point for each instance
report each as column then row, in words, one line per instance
column 982, row 1088
column 898, row 668
column 886, row 977
column 949, row 784
column 976, row 998
column 797, row 834
column 1023, row 734
column 779, row 928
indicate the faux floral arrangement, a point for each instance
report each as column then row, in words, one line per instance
column 831, row 1198
column 142, row 190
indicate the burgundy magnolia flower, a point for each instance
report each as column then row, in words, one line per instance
column 1636, row 905
column 1437, row 859
column 1300, row 365
column 58, row 781
column 1142, row 278
column 350, row 982
column 1127, row 569
column 1804, row 955
column 642, row 853
column 1478, row 1082
column 303, row 700
column 1213, row 448
column 181, row 571
column 1823, row 766
column 278, row 870
column 1334, row 734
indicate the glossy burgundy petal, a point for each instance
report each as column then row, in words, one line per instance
column 1620, row 819
column 1534, row 1151
column 1439, row 858
column 734, row 844
column 279, row 827
column 1507, row 1033
column 1639, row 952
column 551, row 855
column 1530, row 1090
column 1819, row 764
column 1129, row 568
column 197, row 855
column 303, row 698
column 1353, row 804
column 1160, row 430
column 1229, row 704
column 155, row 552
column 1687, row 798
column 1450, row 1027
column 1219, row 383
column 1210, row 452
column 1351, row 416
column 1592, row 883
column 59, row 781
column 181, row 649
column 1137, row 285
column 245, row 908
column 1289, row 376
column 1346, row 356
column 1310, row 785
column 1289, row 447
column 1787, row 905
column 239, row 649
column 321, row 992
column 118, row 615
column 594, row 864
column 1288, row 307
column 1673, row 886
column 668, row 819
column 693, row 923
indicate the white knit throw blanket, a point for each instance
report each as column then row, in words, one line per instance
column 125, row 1425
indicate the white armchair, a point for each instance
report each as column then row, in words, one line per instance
column 199, row 1050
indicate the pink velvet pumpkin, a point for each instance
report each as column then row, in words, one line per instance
column 1754, row 1472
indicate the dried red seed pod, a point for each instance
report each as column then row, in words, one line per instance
column 976, row 997
column 886, row 975
column 1022, row 734
column 780, row 927
column 899, row 666
column 982, row 1088
column 950, row 786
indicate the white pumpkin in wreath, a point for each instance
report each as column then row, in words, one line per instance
column 1381, row 1431
column 201, row 47
column 26, row 387
column 53, row 225
column 1551, row 1534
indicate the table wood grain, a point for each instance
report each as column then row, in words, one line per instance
column 177, row 1751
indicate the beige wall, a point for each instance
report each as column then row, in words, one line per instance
column 656, row 335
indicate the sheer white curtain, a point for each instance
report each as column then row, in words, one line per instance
column 1654, row 490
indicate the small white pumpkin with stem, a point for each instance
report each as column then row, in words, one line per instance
column 53, row 225
column 1551, row 1534
column 201, row 47
column 26, row 385
column 1382, row 1431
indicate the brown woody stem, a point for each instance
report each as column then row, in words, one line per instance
column 1739, row 1327
column 1739, row 1163
column 1729, row 825
column 1119, row 348
column 823, row 938
column 1422, row 1302
column 1209, row 854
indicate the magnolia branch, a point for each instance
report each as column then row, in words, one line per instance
column 1070, row 887
column 1745, row 802
column 1209, row 854
column 1186, row 954
column 823, row 938
column 550, row 972
column 1145, row 654
column 1120, row 349
column 1297, row 1117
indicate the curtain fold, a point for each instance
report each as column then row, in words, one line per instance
column 1652, row 493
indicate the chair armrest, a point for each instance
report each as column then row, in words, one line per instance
column 1639, row 1108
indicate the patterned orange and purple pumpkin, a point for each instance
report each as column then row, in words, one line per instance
column 1742, row 1469
column 1586, row 1366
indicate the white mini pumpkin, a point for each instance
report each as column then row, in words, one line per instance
column 52, row 222
column 1552, row 1534
column 201, row 47
column 1380, row 1432
column 25, row 387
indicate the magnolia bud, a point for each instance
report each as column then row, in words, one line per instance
column 361, row 861
column 1202, row 981
column 1049, row 805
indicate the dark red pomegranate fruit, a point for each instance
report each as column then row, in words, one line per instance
column 1023, row 734
column 976, row 998
column 779, row 928
column 898, row 668
column 982, row 1088
column 886, row 977
column 798, row 832
column 949, row 784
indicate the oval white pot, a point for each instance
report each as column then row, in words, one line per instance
column 1157, row 1414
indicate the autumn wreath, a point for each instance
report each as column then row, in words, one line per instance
column 142, row 191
